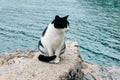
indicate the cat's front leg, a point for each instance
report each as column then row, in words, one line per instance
column 50, row 52
column 57, row 59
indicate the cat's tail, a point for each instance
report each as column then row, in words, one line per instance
column 46, row 58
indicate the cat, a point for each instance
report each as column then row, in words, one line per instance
column 52, row 43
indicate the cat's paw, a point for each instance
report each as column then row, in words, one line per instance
column 56, row 61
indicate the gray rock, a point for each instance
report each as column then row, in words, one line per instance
column 95, row 72
column 88, row 76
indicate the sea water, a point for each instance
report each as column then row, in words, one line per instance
column 94, row 24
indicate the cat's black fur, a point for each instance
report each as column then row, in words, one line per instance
column 44, row 31
column 59, row 22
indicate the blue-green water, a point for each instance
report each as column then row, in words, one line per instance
column 94, row 24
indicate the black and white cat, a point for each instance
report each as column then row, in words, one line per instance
column 52, row 43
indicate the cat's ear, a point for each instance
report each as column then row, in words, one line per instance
column 57, row 17
column 66, row 17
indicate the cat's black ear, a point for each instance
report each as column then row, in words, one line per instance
column 66, row 17
column 57, row 17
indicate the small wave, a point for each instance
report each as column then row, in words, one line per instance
column 98, row 53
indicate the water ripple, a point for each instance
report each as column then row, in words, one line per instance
column 94, row 24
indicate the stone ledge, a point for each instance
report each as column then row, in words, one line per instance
column 67, row 69
column 24, row 65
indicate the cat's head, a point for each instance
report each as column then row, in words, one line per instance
column 61, row 23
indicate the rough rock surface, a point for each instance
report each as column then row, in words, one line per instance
column 95, row 72
column 69, row 68
column 24, row 65
column 13, row 60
